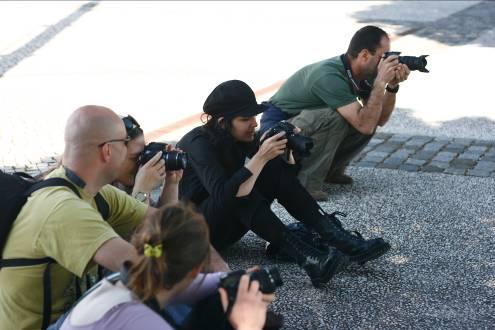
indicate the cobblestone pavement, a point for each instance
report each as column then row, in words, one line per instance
column 429, row 154
column 410, row 153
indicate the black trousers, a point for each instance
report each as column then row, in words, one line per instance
column 277, row 180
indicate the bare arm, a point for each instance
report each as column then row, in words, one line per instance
column 365, row 119
column 401, row 74
column 217, row 264
column 113, row 253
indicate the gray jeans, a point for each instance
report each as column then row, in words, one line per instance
column 336, row 142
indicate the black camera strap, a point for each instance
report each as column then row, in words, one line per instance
column 361, row 88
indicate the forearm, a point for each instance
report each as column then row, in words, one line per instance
column 170, row 194
column 255, row 165
column 387, row 109
column 217, row 264
column 370, row 114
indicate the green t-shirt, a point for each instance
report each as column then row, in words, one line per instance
column 56, row 223
column 321, row 84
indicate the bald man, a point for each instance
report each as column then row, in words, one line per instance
column 56, row 223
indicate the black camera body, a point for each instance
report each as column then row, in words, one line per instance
column 300, row 145
column 413, row 62
column 268, row 277
column 174, row 160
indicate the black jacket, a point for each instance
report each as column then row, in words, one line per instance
column 215, row 169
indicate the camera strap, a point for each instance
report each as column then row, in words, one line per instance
column 361, row 88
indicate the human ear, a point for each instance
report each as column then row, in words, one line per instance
column 221, row 122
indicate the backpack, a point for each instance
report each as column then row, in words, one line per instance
column 14, row 191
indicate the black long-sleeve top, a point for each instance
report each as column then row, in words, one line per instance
column 213, row 171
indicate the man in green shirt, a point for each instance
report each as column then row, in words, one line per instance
column 56, row 223
column 339, row 102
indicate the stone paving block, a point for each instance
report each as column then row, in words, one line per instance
column 443, row 140
column 383, row 136
column 462, row 163
column 390, row 166
column 469, row 155
column 432, row 169
column 463, row 141
column 444, row 156
column 454, row 147
column 399, row 138
column 479, row 173
column 477, row 149
column 455, row 171
column 377, row 154
column 485, row 165
column 418, row 162
column 425, row 155
column 372, row 159
column 366, row 164
column 393, row 161
column 484, row 143
column 375, row 141
column 433, row 146
column 387, row 147
column 418, row 141
column 488, row 158
column 409, row 167
column 439, row 164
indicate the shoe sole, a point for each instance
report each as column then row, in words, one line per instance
column 370, row 255
column 336, row 267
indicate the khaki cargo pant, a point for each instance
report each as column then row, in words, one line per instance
column 336, row 142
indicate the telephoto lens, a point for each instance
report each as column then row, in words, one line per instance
column 414, row 63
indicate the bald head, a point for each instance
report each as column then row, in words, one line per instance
column 93, row 124
column 89, row 126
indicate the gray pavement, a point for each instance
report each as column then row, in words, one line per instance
column 440, row 273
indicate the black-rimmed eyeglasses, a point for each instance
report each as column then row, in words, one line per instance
column 126, row 140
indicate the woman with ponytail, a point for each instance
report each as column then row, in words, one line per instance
column 172, row 249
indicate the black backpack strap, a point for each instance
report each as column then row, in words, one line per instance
column 52, row 182
column 47, row 296
column 102, row 206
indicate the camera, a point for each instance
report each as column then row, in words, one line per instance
column 301, row 145
column 413, row 63
column 174, row 160
column 268, row 277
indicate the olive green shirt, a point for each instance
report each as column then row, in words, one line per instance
column 56, row 223
column 321, row 84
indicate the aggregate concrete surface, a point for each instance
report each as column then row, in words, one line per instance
column 439, row 274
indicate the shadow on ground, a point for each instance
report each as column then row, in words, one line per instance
column 459, row 28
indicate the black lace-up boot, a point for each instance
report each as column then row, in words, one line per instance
column 352, row 244
column 320, row 266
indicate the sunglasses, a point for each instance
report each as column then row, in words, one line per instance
column 126, row 140
column 132, row 127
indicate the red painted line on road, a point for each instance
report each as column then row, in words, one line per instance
column 196, row 118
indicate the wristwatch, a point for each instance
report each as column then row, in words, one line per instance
column 141, row 196
column 392, row 90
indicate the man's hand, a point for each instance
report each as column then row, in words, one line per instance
column 150, row 175
column 401, row 74
column 386, row 70
column 249, row 310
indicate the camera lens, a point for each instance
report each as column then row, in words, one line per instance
column 175, row 160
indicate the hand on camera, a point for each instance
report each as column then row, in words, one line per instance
column 387, row 70
column 150, row 175
column 173, row 177
column 249, row 310
column 272, row 147
column 401, row 73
